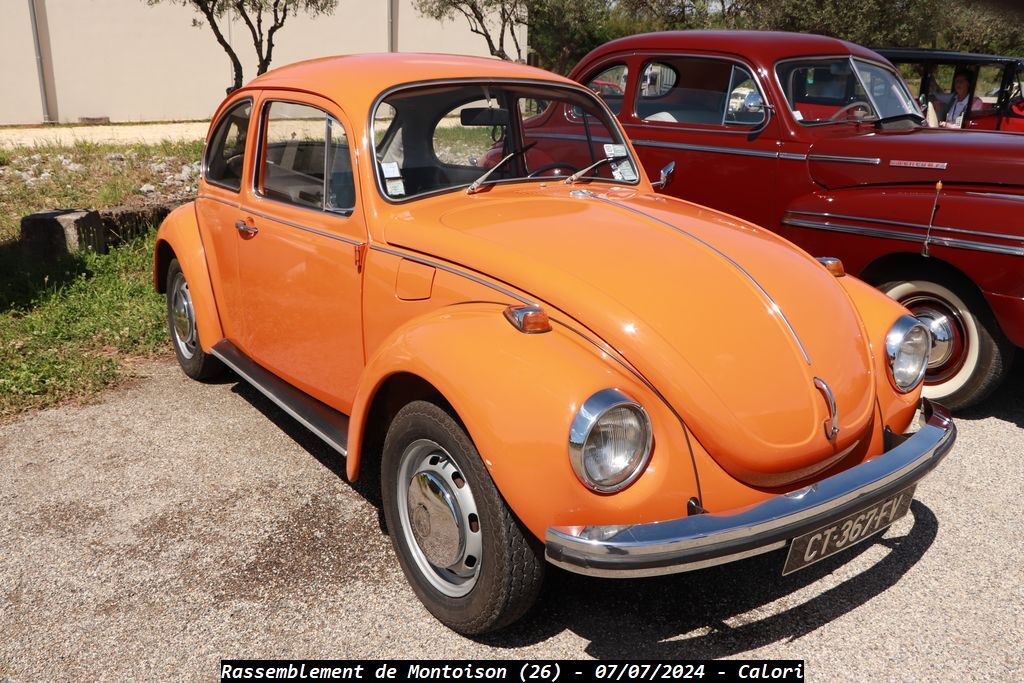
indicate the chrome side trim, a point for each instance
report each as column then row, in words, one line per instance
column 790, row 156
column 921, row 226
column 340, row 238
column 707, row 148
column 324, row 421
column 774, row 305
column 454, row 271
column 907, row 237
column 703, row 540
column 999, row 195
column 869, row 161
column 567, row 136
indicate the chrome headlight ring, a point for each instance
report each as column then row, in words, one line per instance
column 907, row 346
column 624, row 429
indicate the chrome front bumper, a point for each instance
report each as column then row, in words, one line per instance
column 689, row 543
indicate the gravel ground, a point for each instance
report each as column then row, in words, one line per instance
column 170, row 524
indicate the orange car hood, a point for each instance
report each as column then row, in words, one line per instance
column 719, row 315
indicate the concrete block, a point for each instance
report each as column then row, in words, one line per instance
column 52, row 234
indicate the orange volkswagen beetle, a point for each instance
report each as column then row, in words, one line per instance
column 545, row 360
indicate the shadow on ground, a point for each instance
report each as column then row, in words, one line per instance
column 705, row 614
column 1006, row 403
column 24, row 280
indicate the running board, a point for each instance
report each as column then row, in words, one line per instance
column 319, row 418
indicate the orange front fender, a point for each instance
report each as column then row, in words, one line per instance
column 178, row 237
column 517, row 395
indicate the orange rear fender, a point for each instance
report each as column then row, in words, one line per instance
column 517, row 395
column 178, row 237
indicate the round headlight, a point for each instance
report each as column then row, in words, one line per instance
column 907, row 346
column 609, row 441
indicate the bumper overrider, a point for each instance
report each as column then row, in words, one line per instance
column 698, row 541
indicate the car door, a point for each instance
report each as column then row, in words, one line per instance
column 225, row 167
column 302, row 239
column 708, row 115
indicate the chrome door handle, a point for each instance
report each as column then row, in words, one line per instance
column 246, row 229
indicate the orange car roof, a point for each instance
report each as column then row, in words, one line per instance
column 355, row 80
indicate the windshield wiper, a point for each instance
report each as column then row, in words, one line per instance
column 582, row 172
column 474, row 186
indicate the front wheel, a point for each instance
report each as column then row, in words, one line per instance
column 465, row 554
column 181, row 323
column 970, row 354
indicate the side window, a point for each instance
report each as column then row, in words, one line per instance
column 341, row 189
column 305, row 158
column 610, row 85
column 387, row 135
column 990, row 81
column 699, row 91
column 745, row 106
column 226, row 151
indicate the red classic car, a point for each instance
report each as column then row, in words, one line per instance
column 820, row 140
column 991, row 84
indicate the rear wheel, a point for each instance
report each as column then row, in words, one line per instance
column 181, row 322
column 462, row 550
column 970, row 354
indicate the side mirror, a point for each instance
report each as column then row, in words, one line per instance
column 665, row 177
column 753, row 103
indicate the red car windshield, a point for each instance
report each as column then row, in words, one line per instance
column 835, row 90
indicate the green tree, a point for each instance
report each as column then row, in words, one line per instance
column 493, row 20
column 263, row 18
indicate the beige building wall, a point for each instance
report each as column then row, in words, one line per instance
column 20, row 101
column 127, row 61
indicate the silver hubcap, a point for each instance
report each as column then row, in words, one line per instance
column 439, row 519
column 183, row 317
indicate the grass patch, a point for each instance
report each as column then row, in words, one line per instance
column 77, row 337
column 90, row 175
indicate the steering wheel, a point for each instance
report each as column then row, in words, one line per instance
column 850, row 106
column 551, row 167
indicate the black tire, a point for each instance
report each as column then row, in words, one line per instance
column 969, row 376
column 510, row 570
column 194, row 362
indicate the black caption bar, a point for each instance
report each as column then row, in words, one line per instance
column 523, row 671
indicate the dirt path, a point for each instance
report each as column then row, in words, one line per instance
column 148, row 133
column 173, row 523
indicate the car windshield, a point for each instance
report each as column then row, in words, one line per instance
column 842, row 89
column 430, row 139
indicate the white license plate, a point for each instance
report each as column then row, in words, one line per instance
column 816, row 545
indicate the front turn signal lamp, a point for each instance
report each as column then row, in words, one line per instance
column 528, row 319
column 833, row 265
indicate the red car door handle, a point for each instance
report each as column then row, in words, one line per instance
column 246, row 229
